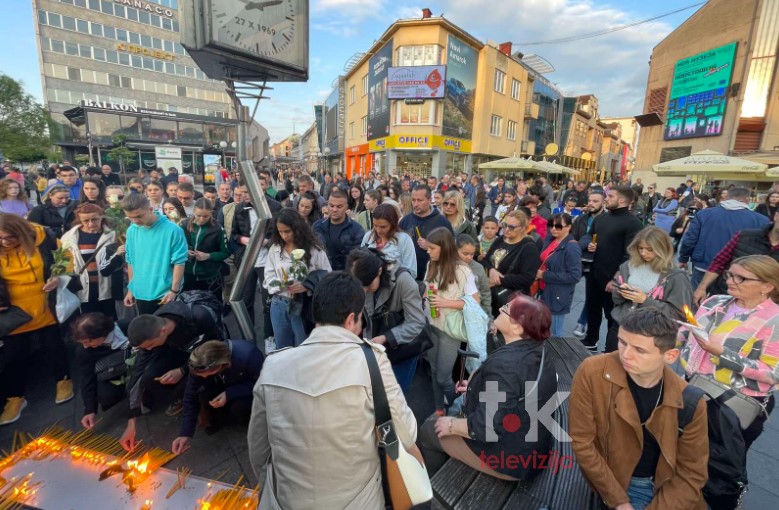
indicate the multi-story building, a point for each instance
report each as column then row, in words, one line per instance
column 310, row 149
column 332, row 117
column 629, row 135
column 480, row 116
column 546, row 129
column 713, row 88
column 117, row 67
column 611, row 151
column 582, row 136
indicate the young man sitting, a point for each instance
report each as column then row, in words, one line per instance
column 623, row 418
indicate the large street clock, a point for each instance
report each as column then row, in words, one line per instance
column 265, row 37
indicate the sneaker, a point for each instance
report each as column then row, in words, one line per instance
column 580, row 331
column 12, row 410
column 592, row 348
column 64, row 391
column 175, row 407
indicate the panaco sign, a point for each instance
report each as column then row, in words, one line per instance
column 416, row 82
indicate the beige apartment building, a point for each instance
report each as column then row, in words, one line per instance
column 479, row 116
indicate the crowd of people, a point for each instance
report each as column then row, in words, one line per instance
column 453, row 274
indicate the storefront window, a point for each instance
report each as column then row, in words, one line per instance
column 215, row 134
column 415, row 114
column 163, row 130
column 414, row 163
column 455, row 163
column 131, row 126
column 190, row 132
column 104, row 126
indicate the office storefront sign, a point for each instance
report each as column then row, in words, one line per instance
column 443, row 143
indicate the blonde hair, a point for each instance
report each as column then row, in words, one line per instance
column 459, row 217
column 405, row 204
column 520, row 217
column 764, row 268
column 659, row 242
column 212, row 353
column 20, row 228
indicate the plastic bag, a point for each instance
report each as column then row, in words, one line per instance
column 67, row 302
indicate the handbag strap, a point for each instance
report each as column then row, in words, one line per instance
column 384, row 426
column 92, row 257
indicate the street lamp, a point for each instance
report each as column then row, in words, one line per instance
column 223, row 145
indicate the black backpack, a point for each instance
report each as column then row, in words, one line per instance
column 207, row 300
column 727, row 450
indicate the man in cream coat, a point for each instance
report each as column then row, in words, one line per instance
column 311, row 437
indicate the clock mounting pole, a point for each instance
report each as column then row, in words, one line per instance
column 250, row 90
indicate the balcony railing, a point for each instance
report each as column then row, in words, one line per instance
column 531, row 110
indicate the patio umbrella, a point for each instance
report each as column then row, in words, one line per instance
column 553, row 168
column 512, row 163
column 709, row 163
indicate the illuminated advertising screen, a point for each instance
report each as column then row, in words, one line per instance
column 416, row 82
column 699, row 94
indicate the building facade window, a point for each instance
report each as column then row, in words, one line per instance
column 364, row 123
column 125, row 59
column 351, row 130
column 511, row 130
column 515, row 89
column 420, row 55
column 365, row 85
column 352, row 94
column 496, row 123
column 131, row 13
column 500, row 81
column 416, row 114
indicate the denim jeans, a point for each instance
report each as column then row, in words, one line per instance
column 696, row 278
column 288, row 330
column 558, row 321
column 404, row 372
column 641, row 491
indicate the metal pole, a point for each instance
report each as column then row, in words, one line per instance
column 249, row 177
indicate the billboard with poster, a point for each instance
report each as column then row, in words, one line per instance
column 168, row 157
column 699, row 94
column 461, row 64
column 416, row 82
column 378, row 102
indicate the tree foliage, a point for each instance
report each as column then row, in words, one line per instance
column 24, row 124
column 120, row 153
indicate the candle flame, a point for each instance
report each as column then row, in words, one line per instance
column 690, row 317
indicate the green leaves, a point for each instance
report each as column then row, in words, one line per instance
column 24, row 124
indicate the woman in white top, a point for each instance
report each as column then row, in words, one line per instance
column 451, row 280
column 396, row 246
column 291, row 233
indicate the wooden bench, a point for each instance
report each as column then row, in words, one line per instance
column 458, row 487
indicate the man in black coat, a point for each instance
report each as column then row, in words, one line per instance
column 164, row 341
column 614, row 231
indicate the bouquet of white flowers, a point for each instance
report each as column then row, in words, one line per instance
column 298, row 271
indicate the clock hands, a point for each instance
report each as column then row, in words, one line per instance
column 260, row 6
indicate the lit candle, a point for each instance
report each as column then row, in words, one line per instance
column 690, row 317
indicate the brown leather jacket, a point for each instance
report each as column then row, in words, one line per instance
column 608, row 441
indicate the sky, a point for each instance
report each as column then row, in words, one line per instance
column 614, row 67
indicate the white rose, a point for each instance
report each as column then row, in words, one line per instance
column 174, row 215
column 112, row 199
column 298, row 254
column 67, row 245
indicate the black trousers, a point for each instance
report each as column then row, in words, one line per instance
column 147, row 307
column 162, row 359
column 598, row 302
column 16, row 359
column 106, row 307
column 249, row 293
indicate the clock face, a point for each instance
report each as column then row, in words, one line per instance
column 265, row 28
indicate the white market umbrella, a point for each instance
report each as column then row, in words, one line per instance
column 709, row 162
column 553, row 168
column 512, row 163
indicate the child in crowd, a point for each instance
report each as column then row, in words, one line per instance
column 489, row 232
column 466, row 249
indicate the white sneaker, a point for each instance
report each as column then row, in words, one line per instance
column 580, row 331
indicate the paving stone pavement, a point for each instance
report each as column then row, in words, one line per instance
column 225, row 454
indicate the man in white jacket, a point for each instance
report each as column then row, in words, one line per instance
column 311, row 437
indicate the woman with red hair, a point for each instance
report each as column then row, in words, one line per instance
column 487, row 434
column 665, row 210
